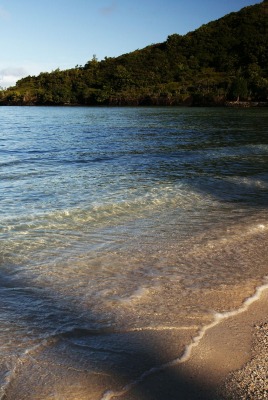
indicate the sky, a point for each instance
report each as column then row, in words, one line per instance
column 43, row 35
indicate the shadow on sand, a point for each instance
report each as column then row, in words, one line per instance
column 58, row 355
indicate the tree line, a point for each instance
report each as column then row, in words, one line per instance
column 224, row 60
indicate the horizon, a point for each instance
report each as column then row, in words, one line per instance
column 45, row 37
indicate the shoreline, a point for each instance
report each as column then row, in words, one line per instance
column 216, row 363
column 189, row 104
column 227, row 347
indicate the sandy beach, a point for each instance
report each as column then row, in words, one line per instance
column 227, row 360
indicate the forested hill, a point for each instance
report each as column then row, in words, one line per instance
column 224, row 60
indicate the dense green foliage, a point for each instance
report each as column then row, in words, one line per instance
column 224, row 60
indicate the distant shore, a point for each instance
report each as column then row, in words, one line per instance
column 152, row 103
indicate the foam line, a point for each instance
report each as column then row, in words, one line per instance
column 218, row 317
column 162, row 328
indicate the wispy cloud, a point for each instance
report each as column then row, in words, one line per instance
column 109, row 9
column 13, row 71
column 4, row 14
column 10, row 75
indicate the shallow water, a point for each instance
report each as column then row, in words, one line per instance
column 122, row 231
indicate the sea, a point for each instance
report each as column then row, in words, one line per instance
column 123, row 232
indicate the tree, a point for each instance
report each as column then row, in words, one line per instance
column 239, row 89
column 226, row 58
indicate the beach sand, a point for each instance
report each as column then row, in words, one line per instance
column 227, row 360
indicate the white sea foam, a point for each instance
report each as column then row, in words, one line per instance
column 250, row 182
column 163, row 328
column 218, row 317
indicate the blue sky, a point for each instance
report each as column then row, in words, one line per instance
column 42, row 35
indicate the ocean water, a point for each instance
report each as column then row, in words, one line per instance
column 123, row 231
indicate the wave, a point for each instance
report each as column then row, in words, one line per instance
column 104, row 212
column 31, row 237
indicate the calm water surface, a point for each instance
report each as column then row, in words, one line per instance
column 122, row 232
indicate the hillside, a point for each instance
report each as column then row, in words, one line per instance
column 224, row 60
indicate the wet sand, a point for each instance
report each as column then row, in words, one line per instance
column 227, row 360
